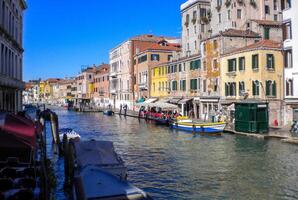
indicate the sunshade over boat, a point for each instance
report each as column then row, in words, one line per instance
column 94, row 183
column 21, row 128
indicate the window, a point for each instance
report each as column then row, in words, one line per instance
column 183, row 85
column 194, row 84
column 275, row 17
column 194, row 15
column 199, row 83
column 219, row 2
column 271, row 88
column 288, row 58
column 219, row 18
column 267, row 10
column 195, row 29
column 174, row 85
column 154, row 87
column 169, row 69
column 241, row 63
column 180, row 67
column 170, row 57
column 241, row 88
column 270, row 61
column 255, row 61
column 204, row 65
column 195, row 44
column 188, row 32
column 287, row 31
column 203, row 12
column 232, row 65
column 275, row 4
column 289, row 87
column 214, row 64
column 202, row 28
column 266, row 33
column 238, row 13
column 230, row 89
column 195, row 64
column 229, row 14
column 204, row 85
column 215, row 44
column 142, row 59
column 187, row 20
column 155, row 57
column 255, row 88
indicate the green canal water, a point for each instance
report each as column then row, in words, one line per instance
column 172, row 164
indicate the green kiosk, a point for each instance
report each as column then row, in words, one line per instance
column 251, row 117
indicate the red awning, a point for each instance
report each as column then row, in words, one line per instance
column 21, row 128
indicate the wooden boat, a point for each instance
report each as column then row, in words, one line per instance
column 161, row 121
column 204, row 128
column 94, row 183
column 108, row 112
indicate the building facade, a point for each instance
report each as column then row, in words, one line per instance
column 290, row 45
column 154, row 55
column 11, row 54
column 254, row 72
column 101, row 94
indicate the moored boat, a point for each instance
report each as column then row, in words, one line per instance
column 108, row 112
column 94, row 183
column 204, row 128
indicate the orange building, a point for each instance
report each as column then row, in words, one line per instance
column 101, row 89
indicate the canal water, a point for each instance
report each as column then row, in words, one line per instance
column 172, row 164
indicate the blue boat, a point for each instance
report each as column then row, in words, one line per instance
column 208, row 128
column 108, row 112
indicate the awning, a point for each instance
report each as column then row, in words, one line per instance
column 183, row 101
column 21, row 128
column 151, row 100
column 147, row 102
column 175, row 100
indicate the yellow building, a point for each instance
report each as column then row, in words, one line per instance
column 159, row 81
column 254, row 72
column 41, row 89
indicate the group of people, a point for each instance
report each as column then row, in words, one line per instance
column 158, row 113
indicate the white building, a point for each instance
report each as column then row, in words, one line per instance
column 11, row 54
column 195, row 25
column 290, row 37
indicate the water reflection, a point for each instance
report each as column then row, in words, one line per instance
column 177, row 165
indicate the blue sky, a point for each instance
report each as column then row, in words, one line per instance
column 60, row 36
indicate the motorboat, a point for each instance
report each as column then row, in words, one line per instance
column 101, row 154
column 108, row 112
column 70, row 133
column 94, row 183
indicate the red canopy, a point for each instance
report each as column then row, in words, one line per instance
column 21, row 128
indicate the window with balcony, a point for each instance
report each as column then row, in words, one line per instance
column 180, row 67
column 275, row 4
column 255, row 88
column 271, row 88
column 203, row 12
column 154, row 57
column 289, row 87
column 241, row 88
column 287, row 31
column 232, row 65
column 230, row 89
column 186, row 20
column 270, row 61
column 255, row 61
column 288, row 58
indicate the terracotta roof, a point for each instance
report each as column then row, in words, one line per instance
column 53, row 80
column 167, row 47
column 263, row 44
column 239, row 33
column 103, row 68
column 267, row 22
column 150, row 38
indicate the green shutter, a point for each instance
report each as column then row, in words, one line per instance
column 226, row 89
column 267, row 88
column 273, row 62
column 253, row 88
column 274, row 89
column 199, row 64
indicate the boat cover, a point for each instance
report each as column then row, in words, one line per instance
column 94, row 183
column 96, row 153
column 21, row 128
